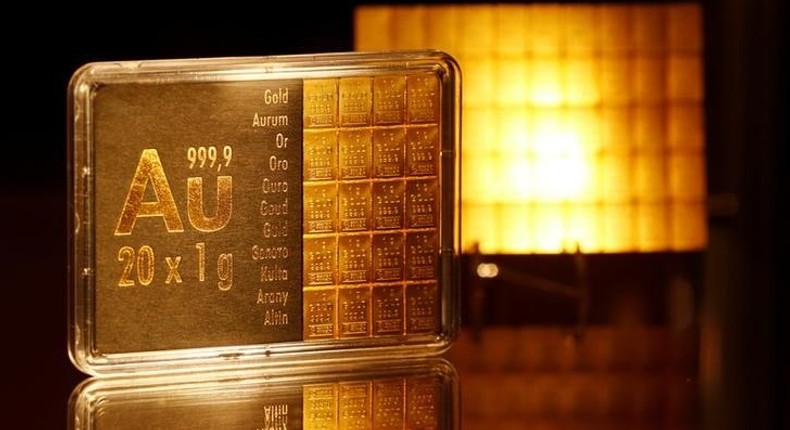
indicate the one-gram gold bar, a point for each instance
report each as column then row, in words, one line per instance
column 246, row 210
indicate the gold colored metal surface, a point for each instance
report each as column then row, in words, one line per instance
column 320, row 208
column 198, row 211
column 197, row 214
column 388, row 204
column 388, row 308
column 320, row 103
column 374, row 218
column 421, row 203
column 388, row 144
column 356, row 98
column 388, row 257
column 423, row 99
column 355, row 206
column 421, row 255
column 355, row 149
column 422, row 307
column 389, row 100
column 320, row 156
column 320, row 313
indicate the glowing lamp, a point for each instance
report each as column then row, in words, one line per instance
column 583, row 125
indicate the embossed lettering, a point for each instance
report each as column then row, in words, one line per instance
column 149, row 169
column 195, row 209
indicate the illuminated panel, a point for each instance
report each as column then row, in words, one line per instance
column 583, row 124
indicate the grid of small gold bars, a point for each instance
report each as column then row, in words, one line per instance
column 371, row 213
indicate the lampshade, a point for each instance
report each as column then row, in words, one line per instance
column 583, row 125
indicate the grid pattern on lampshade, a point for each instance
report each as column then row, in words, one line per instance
column 583, row 125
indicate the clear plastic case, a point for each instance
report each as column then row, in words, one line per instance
column 401, row 394
column 238, row 212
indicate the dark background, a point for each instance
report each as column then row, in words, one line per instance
column 745, row 293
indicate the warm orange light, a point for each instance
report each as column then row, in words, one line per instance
column 582, row 124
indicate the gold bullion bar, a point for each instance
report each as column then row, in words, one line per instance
column 355, row 206
column 388, row 309
column 389, row 100
column 309, row 207
column 423, row 94
column 320, row 103
column 355, row 153
column 320, row 260
column 422, row 308
column 356, row 102
column 388, row 204
column 421, row 255
column 354, row 309
column 388, row 257
column 320, row 313
column 320, row 155
column 388, row 152
column 354, row 258
column 320, row 207
column 422, row 203
column 422, row 151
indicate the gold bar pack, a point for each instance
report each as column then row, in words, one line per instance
column 243, row 211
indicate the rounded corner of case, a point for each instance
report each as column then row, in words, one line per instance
column 82, row 365
column 449, row 58
column 448, row 62
column 81, row 77
column 79, row 358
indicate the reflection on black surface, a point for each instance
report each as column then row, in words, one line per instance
column 403, row 394
column 543, row 377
